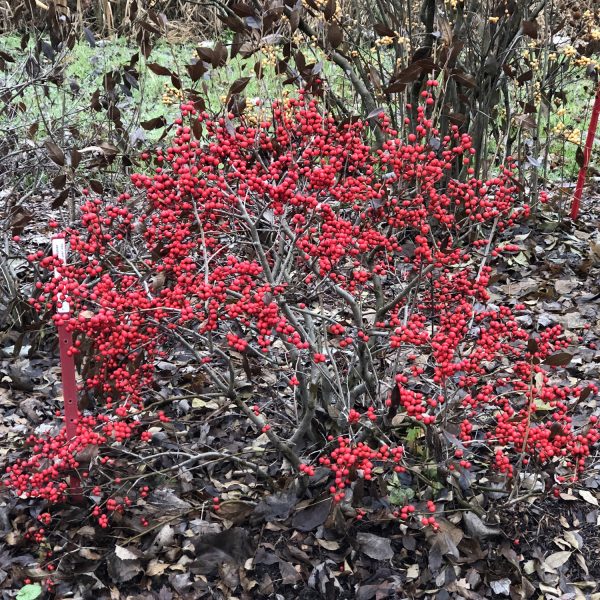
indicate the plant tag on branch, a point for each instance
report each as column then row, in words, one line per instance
column 59, row 249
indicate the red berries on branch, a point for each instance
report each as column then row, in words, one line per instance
column 286, row 237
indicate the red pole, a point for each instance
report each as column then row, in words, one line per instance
column 587, row 153
column 67, row 363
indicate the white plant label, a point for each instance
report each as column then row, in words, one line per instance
column 59, row 249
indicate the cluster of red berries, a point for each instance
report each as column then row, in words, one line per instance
column 44, row 472
column 306, row 469
column 348, row 461
column 37, row 535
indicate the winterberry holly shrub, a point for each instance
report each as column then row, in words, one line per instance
column 285, row 240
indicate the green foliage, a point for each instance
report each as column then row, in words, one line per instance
column 399, row 495
column 30, row 591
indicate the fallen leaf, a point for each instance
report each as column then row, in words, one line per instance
column 125, row 554
column 276, row 507
column 558, row 359
column 412, row 572
column 548, row 589
column 289, row 575
column 501, row 586
column 378, row 548
column 313, row 516
column 167, row 501
column 208, row 404
column 214, row 549
column 588, row 497
column 87, row 531
column 567, row 496
column 229, row 575
column 573, row 539
column 164, row 537
column 165, row 594
column 581, row 562
column 156, row 568
column 379, row 590
column 89, row 554
column 476, row 528
column 329, row 545
column 454, row 533
column 529, row 567
column 565, row 286
column 123, row 565
column 558, row 559
column 236, row 511
column 266, row 586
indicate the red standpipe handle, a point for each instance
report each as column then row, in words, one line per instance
column 587, row 153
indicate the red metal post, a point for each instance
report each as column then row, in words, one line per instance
column 67, row 363
column 587, row 153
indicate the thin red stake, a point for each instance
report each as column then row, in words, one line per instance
column 587, row 153
column 67, row 363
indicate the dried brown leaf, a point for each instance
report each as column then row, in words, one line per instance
column 375, row 547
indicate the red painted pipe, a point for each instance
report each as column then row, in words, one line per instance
column 67, row 364
column 587, row 153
